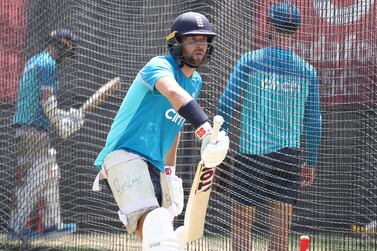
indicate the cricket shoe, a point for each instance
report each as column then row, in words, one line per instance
column 59, row 230
column 25, row 234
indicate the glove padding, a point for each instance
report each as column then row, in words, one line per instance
column 71, row 121
column 214, row 154
column 176, row 189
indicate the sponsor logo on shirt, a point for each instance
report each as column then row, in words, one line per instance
column 173, row 115
column 286, row 86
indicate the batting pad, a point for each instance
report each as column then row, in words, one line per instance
column 158, row 233
column 131, row 185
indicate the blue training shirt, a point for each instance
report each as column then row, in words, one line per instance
column 40, row 72
column 146, row 123
column 279, row 97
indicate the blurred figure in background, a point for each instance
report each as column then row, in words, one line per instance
column 279, row 96
column 37, row 114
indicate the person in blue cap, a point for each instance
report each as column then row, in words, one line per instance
column 139, row 157
column 36, row 116
column 278, row 97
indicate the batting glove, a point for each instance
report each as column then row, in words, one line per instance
column 214, row 154
column 71, row 122
column 176, row 189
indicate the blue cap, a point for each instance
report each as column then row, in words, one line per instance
column 284, row 16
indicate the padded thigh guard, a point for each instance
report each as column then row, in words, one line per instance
column 131, row 186
column 158, row 233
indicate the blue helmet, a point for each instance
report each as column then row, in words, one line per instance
column 64, row 41
column 189, row 23
column 284, row 16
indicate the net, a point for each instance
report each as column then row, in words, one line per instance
column 116, row 38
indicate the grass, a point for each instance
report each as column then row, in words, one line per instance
column 124, row 242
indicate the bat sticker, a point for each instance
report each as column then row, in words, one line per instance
column 205, row 180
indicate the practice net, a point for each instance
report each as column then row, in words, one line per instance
column 116, row 38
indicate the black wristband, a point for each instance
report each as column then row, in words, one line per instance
column 193, row 113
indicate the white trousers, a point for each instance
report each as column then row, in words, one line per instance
column 37, row 180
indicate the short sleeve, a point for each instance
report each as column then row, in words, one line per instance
column 47, row 75
column 156, row 68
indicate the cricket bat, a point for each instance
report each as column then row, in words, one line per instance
column 101, row 95
column 197, row 204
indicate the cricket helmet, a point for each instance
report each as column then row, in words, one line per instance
column 64, row 41
column 186, row 24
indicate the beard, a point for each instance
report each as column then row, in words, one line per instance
column 195, row 59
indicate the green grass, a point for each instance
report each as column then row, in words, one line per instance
column 124, row 242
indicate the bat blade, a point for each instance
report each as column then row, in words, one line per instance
column 101, row 95
column 197, row 204
column 201, row 188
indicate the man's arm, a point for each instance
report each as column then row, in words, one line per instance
column 233, row 88
column 186, row 106
column 65, row 122
column 176, row 95
column 175, row 183
column 47, row 78
column 171, row 156
column 189, row 109
column 312, row 122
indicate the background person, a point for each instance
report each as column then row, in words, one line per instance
column 37, row 113
column 280, row 100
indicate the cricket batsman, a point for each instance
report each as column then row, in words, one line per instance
column 37, row 114
column 142, row 143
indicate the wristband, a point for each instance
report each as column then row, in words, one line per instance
column 193, row 113
column 169, row 170
column 203, row 130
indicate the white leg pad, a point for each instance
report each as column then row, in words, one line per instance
column 158, row 233
column 131, row 185
column 180, row 234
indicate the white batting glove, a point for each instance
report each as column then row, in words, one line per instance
column 70, row 122
column 214, row 154
column 176, row 189
column 77, row 116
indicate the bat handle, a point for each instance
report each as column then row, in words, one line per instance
column 217, row 122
